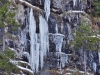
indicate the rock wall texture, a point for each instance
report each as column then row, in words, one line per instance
column 66, row 15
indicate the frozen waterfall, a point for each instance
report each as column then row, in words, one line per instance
column 66, row 16
column 39, row 42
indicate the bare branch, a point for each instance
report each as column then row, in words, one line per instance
column 28, row 4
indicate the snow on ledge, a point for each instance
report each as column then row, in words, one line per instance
column 71, row 11
column 22, row 68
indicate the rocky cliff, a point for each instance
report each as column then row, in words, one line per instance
column 44, row 39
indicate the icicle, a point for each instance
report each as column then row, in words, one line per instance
column 44, row 41
column 58, row 39
column 56, row 28
column 69, row 18
column 23, row 37
column 32, row 29
column 99, row 55
column 94, row 66
column 37, row 57
column 34, row 44
column 74, row 2
column 63, row 59
column 47, row 8
column 70, row 37
column 62, row 28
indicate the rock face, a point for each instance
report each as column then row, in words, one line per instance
column 64, row 18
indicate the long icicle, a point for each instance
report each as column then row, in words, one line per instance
column 44, row 41
column 47, row 8
column 32, row 29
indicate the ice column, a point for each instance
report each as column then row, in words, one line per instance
column 44, row 41
column 34, row 48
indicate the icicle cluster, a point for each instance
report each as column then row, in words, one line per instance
column 34, row 52
column 38, row 49
column 39, row 46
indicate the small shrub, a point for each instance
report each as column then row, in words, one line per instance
column 9, row 53
column 6, row 66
